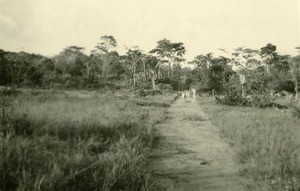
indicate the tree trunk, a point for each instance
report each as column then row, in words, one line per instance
column 54, row 70
column 169, row 68
column 153, row 83
column 53, row 75
column 243, row 91
column 296, row 89
column 293, row 70
column 153, row 80
column 144, row 63
column 159, row 74
column 87, row 69
column 268, row 69
column 134, row 79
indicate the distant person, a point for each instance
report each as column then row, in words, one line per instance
column 193, row 93
column 187, row 93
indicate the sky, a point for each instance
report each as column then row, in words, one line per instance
column 47, row 26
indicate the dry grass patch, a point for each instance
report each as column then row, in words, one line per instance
column 267, row 143
column 56, row 142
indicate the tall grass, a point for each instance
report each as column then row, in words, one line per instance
column 58, row 143
column 267, row 142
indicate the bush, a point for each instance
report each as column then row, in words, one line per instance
column 9, row 92
column 165, row 87
column 143, row 92
column 235, row 98
column 144, row 85
column 288, row 86
column 164, row 80
column 295, row 110
column 261, row 101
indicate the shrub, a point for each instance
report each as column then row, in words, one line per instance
column 261, row 101
column 143, row 92
column 235, row 98
column 140, row 93
column 165, row 87
column 287, row 85
column 9, row 92
column 295, row 109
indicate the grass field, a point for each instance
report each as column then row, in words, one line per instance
column 267, row 143
column 54, row 141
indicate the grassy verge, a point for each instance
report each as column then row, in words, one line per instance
column 267, row 142
column 56, row 142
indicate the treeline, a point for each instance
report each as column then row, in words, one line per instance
column 248, row 72
column 102, row 68
column 264, row 70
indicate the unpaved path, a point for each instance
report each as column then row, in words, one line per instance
column 190, row 155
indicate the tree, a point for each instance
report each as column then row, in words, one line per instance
column 16, row 66
column 144, row 58
column 118, row 69
column 281, row 66
column 106, row 44
column 203, row 62
column 246, row 58
column 135, row 56
column 269, row 55
column 182, row 77
column 74, row 60
column 71, row 65
column 166, row 50
column 21, row 68
column 153, row 64
column 103, row 54
column 5, row 77
column 37, row 69
column 67, row 60
column 212, row 72
column 219, row 73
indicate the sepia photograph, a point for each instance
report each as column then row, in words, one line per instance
column 149, row 95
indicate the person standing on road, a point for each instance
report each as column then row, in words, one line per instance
column 193, row 93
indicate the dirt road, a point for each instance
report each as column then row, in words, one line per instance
column 190, row 155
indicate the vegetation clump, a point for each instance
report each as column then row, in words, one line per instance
column 234, row 98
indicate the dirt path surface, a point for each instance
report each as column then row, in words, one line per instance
column 190, row 155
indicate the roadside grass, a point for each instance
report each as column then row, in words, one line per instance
column 267, row 143
column 155, row 101
column 51, row 141
column 294, row 106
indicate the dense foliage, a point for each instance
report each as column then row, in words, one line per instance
column 265, row 70
column 266, row 74
column 102, row 68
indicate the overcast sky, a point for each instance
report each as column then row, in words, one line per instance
column 47, row 26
